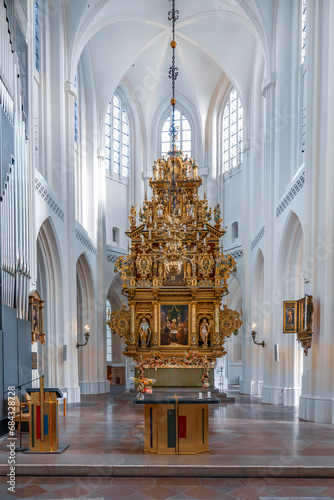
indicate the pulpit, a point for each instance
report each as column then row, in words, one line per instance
column 44, row 417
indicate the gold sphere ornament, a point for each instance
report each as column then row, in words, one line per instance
column 173, row 44
column 173, row 101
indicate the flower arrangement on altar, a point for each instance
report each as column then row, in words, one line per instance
column 143, row 385
column 188, row 360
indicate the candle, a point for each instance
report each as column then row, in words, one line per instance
column 209, row 394
column 200, row 395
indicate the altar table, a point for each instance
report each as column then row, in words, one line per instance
column 176, row 424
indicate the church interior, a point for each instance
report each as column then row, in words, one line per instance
column 167, row 249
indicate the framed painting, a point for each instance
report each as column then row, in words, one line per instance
column 305, row 314
column 175, row 280
column 174, row 325
column 35, row 319
column 290, row 316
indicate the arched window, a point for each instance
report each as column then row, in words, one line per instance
column 303, row 40
column 303, row 30
column 37, row 37
column 109, row 338
column 117, row 143
column 183, row 141
column 233, row 124
column 76, row 111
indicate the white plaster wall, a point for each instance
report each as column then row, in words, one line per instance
column 272, row 166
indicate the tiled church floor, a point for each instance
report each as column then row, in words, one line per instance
column 247, row 440
column 145, row 488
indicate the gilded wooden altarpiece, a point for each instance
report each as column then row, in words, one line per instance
column 175, row 263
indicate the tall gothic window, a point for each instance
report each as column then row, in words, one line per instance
column 109, row 337
column 37, row 37
column 303, row 30
column 117, row 141
column 233, row 125
column 76, row 111
column 183, row 134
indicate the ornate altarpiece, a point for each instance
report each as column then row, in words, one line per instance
column 175, row 274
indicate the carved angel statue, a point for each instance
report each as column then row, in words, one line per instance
column 133, row 215
column 216, row 216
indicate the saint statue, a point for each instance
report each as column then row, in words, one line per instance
column 144, row 332
column 204, row 332
column 159, row 210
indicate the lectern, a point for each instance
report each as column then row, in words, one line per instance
column 44, row 418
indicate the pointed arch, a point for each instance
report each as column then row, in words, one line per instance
column 290, row 275
column 85, row 316
column 50, row 287
column 258, row 291
column 291, row 283
column 234, row 351
column 114, row 298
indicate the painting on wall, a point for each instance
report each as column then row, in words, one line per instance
column 290, row 316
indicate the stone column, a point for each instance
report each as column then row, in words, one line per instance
column 317, row 398
column 70, row 303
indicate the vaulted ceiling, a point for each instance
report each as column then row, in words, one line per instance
column 129, row 41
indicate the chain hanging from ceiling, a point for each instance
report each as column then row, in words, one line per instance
column 175, row 273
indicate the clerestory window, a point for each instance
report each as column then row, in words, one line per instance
column 37, row 37
column 183, row 128
column 303, row 30
column 117, row 140
column 233, row 128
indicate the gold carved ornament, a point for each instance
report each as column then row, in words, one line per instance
column 206, row 265
column 229, row 322
column 119, row 322
column 144, row 265
column 124, row 265
column 36, row 316
column 305, row 327
column 225, row 266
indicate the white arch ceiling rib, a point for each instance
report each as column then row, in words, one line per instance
column 130, row 40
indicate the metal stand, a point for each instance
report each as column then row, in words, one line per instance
column 221, row 383
column 20, row 448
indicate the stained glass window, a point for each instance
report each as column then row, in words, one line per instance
column 37, row 37
column 109, row 336
column 233, row 132
column 183, row 128
column 117, row 139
